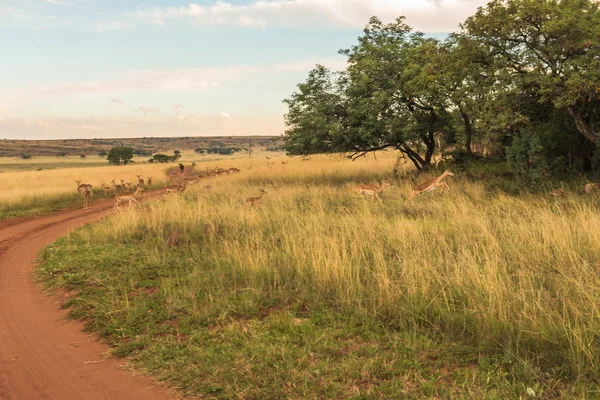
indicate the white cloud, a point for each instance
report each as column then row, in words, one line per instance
column 425, row 15
column 225, row 115
column 180, row 79
column 150, row 109
column 118, row 101
column 55, row 2
column 109, row 26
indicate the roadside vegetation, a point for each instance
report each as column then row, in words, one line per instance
column 470, row 293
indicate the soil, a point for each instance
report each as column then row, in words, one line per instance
column 42, row 355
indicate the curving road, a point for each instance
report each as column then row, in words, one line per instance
column 42, row 356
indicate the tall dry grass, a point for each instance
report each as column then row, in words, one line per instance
column 516, row 274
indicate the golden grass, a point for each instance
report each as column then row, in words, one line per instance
column 517, row 273
column 58, row 175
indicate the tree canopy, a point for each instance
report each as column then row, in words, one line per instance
column 120, row 155
column 519, row 71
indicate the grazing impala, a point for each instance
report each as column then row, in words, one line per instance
column 252, row 201
column 129, row 197
column 372, row 190
column 431, row 185
column 179, row 188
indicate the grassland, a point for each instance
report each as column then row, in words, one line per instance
column 44, row 184
column 91, row 147
column 468, row 294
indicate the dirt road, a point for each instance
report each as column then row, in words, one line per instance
column 43, row 356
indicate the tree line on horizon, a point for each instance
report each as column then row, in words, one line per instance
column 519, row 83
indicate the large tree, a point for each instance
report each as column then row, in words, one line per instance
column 549, row 47
column 120, row 155
column 390, row 96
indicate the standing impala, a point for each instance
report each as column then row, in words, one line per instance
column 86, row 194
column 252, row 201
column 372, row 190
column 140, row 180
column 82, row 186
column 431, row 185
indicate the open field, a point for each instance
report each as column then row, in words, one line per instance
column 467, row 294
column 28, row 191
column 91, row 147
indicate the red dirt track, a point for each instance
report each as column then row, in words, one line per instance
column 43, row 356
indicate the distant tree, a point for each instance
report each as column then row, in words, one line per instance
column 61, row 154
column 120, row 155
column 82, row 156
column 102, row 153
column 162, row 158
column 25, row 156
column 142, row 152
column 199, row 150
column 177, row 152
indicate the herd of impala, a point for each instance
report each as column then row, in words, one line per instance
column 124, row 191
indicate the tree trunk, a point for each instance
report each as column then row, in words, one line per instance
column 468, row 131
column 419, row 162
column 583, row 126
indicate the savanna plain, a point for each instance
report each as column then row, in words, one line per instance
column 321, row 292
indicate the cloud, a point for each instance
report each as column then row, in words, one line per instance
column 109, row 26
column 206, row 124
column 118, row 101
column 180, row 79
column 177, row 106
column 425, row 15
column 55, row 2
column 149, row 110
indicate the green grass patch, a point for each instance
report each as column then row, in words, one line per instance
column 36, row 206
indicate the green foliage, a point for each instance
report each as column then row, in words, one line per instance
column 142, row 152
column 163, row 158
column 25, row 156
column 515, row 65
column 389, row 97
column 526, row 159
column 120, row 155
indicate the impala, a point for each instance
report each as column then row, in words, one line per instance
column 179, row 188
column 251, row 201
column 129, row 197
column 431, row 185
column 372, row 190
column 87, row 194
column 81, row 186
column 107, row 190
column 591, row 187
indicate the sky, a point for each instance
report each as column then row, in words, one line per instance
column 126, row 68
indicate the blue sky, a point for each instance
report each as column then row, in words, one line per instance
column 107, row 68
